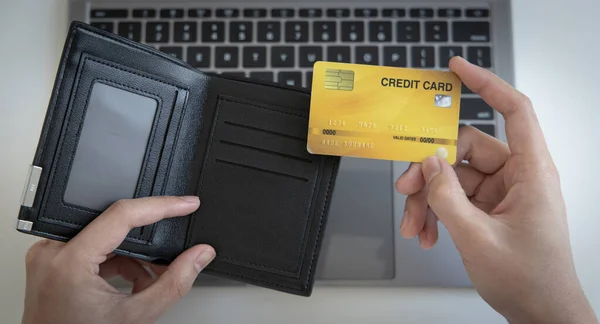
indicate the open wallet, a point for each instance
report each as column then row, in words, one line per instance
column 126, row 121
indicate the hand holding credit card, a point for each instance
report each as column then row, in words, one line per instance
column 383, row 113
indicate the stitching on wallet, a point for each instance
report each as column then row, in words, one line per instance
column 320, row 227
column 156, row 96
column 175, row 141
column 58, row 86
column 133, row 239
column 280, row 110
column 270, row 283
column 215, row 120
column 134, row 72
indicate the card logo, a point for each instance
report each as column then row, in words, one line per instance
column 442, row 101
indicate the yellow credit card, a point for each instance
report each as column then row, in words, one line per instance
column 383, row 113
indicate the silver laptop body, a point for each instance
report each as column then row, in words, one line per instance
column 362, row 245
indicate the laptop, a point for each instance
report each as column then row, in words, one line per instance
column 280, row 41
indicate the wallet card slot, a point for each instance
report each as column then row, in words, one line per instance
column 260, row 140
column 263, row 159
column 300, row 139
column 270, row 120
column 258, row 149
column 237, row 164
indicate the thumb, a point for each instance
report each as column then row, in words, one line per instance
column 447, row 199
column 175, row 282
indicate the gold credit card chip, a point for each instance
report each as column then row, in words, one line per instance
column 339, row 79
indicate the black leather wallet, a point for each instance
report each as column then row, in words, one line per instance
column 125, row 121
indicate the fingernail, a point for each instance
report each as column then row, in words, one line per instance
column 204, row 258
column 190, row 199
column 431, row 168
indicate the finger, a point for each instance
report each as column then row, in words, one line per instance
column 522, row 127
column 483, row 205
column 448, row 201
column 411, row 181
column 484, row 152
column 175, row 283
column 429, row 236
column 414, row 214
column 469, row 178
column 484, row 191
column 42, row 251
column 107, row 231
column 157, row 269
column 129, row 269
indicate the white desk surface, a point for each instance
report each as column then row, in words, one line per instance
column 557, row 56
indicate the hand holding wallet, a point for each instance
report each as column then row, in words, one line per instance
column 127, row 121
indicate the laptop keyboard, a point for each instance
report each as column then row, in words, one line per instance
column 282, row 44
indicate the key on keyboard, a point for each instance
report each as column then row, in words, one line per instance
column 106, row 26
column 447, row 52
column 488, row 129
column 471, row 31
column 324, row 31
column 436, row 31
column 282, row 13
column 226, row 57
column 213, row 32
column 409, row 31
column 131, row 30
column 367, row 55
column 109, row 13
column 269, row 31
column 171, row 13
column 338, row 54
column 296, row 31
column 185, row 32
column 282, row 56
column 199, row 13
column 228, row 13
column 157, row 32
column 144, row 13
column 480, row 55
column 255, row 56
column 309, row 55
column 423, row 57
column 475, row 109
column 353, row 31
column 240, row 31
column 311, row 13
column 380, row 31
column 290, row 78
column 264, row 76
column 199, row 56
column 394, row 56
column 175, row 51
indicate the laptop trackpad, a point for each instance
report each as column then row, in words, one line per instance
column 359, row 239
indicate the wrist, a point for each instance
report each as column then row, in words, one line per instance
column 563, row 308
